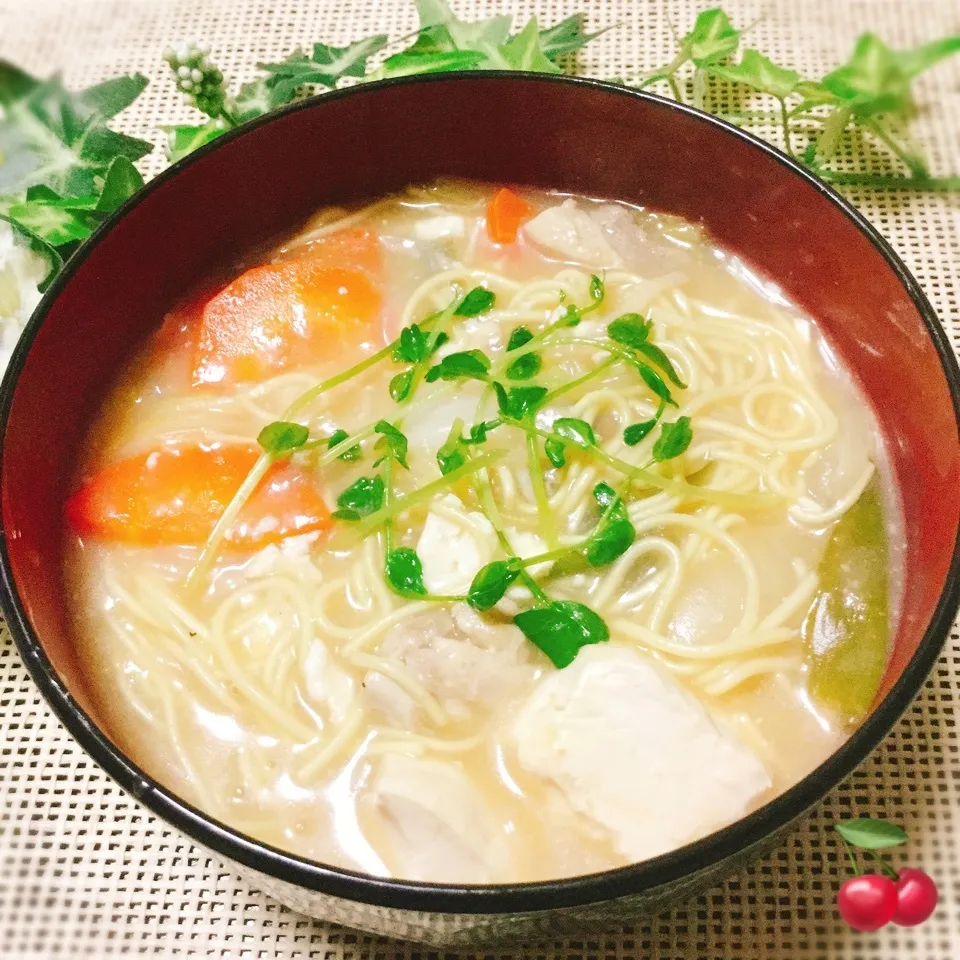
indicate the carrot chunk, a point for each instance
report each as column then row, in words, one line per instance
column 176, row 495
column 292, row 312
column 505, row 212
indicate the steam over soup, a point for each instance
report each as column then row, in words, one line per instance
column 483, row 535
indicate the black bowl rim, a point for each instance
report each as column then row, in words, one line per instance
column 668, row 868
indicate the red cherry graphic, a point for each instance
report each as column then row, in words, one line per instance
column 867, row 902
column 916, row 897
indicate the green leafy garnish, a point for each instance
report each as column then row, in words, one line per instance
column 633, row 434
column 361, row 498
column 404, row 572
column 351, row 453
column 411, row 345
column 452, row 455
column 468, row 365
column 614, row 533
column 518, row 403
column 392, row 444
column 561, row 629
column 653, row 353
column 526, row 366
column 870, row 834
column 478, row 300
column 281, row 438
column 631, row 330
column 673, row 440
column 655, row 382
column 401, row 385
column 491, row 583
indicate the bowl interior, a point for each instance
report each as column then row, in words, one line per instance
column 574, row 136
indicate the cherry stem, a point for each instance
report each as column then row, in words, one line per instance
column 853, row 860
column 885, row 866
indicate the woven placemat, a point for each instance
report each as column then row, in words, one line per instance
column 86, row 873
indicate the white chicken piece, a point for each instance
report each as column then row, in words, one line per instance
column 390, row 700
column 438, row 826
column 462, row 659
column 431, row 427
column 327, row 684
column 454, row 544
column 634, row 752
column 438, row 228
column 571, row 234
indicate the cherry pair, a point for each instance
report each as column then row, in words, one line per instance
column 871, row 901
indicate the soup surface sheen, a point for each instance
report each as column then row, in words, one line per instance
column 356, row 663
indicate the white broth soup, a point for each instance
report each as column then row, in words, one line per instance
column 483, row 535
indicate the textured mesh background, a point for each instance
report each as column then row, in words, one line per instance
column 86, row 873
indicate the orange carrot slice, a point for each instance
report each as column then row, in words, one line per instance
column 505, row 212
column 176, row 495
column 291, row 313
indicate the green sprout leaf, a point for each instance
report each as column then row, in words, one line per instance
column 870, row 834
column 673, row 440
column 577, row 431
column 401, row 385
column 655, row 382
column 615, row 531
column 491, row 583
column 404, row 572
column 527, row 366
column 392, row 444
column 281, row 438
column 631, row 330
column 411, row 345
column 518, row 403
column 555, row 452
column 452, row 455
column 468, row 365
column 351, row 453
column 653, row 353
column 361, row 498
column 478, row 300
column 637, row 431
column 478, row 432
column 561, row 629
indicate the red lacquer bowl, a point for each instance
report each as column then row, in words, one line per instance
column 575, row 135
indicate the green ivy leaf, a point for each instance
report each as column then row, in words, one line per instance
column 410, row 63
column 566, row 37
column 523, row 51
column 183, row 139
column 713, row 38
column 326, row 65
column 760, row 73
column 262, row 95
column 122, row 181
column 55, row 138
